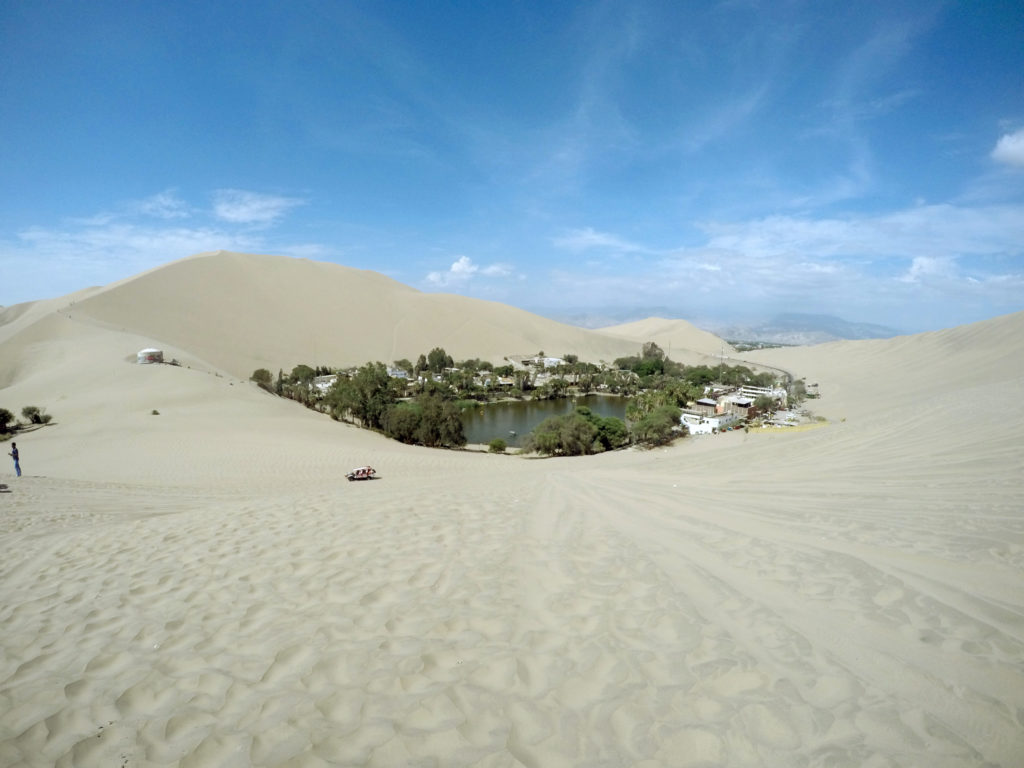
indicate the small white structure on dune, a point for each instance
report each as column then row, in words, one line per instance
column 150, row 356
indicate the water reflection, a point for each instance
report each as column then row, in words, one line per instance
column 512, row 421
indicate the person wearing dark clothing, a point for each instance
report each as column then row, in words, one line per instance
column 14, row 455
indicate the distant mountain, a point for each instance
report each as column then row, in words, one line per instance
column 802, row 329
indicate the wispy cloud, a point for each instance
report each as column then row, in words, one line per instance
column 925, row 257
column 1010, row 149
column 239, row 206
column 928, row 230
column 926, row 268
column 588, row 238
column 78, row 256
column 163, row 205
column 463, row 270
column 724, row 118
column 136, row 235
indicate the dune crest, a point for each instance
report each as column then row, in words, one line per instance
column 671, row 335
column 245, row 311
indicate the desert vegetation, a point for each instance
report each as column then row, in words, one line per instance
column 420, row 402
column 34, row 417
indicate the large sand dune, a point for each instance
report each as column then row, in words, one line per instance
column 245, row 311
column 200, row 587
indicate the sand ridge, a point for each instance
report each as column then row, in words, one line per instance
column 316, row 313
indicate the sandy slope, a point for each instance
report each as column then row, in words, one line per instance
column 200, row 588
column 672, row 336
column 245, row 311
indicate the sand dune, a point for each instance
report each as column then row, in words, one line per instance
column 671, row 335
column 201, row 588
column 244, row 311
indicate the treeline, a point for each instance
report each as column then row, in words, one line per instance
column 657, row 387
column 579, row 433
column 33, row 415
column 373, row 399
column 653, row 367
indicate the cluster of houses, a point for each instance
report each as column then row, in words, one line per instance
column 721, row 409
column 538, row 364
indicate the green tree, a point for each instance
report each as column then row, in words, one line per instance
column 402, row 422
column 497, row 445
column 405, row 365
column 421, row 365
column 36, row 415
column 559, row 386
column 302, row 375
column 438, row 360
column 365, row 396
column 651, row 351
column 441, row 424
column 6, row 417
column 263, row 378
column 658, row 426
column 650, row 366
column 699, row 375
column 611, row 432
column 642, row 404
column 797, row 391
column 568, row 435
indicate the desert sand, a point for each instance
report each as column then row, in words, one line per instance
column 201, row 587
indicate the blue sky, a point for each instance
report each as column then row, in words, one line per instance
column 714, row 161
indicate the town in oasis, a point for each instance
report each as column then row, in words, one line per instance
column 422, row 402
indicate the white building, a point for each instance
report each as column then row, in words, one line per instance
column 704, row 424
column 324, row 383
column 776, row 393
column 546, row 362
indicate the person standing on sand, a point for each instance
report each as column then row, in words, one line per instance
column 14, row 455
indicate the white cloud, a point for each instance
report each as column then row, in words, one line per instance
column 907, row 268
column 1010, row 149
column 164, row 205
column 463, row 269
column 931, row 230
column 52, row 260
column 925, row 268
column 241, row 207
column 497, row 270
column 55, row 261
column 588, row 238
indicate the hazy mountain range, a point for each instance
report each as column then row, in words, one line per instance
column 799, row 328
column 787, row 328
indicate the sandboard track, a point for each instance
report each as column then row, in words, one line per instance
column 766, row 581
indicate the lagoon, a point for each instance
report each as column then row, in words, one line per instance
column 512, row 420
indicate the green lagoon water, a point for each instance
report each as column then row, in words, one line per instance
column 513, row 420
